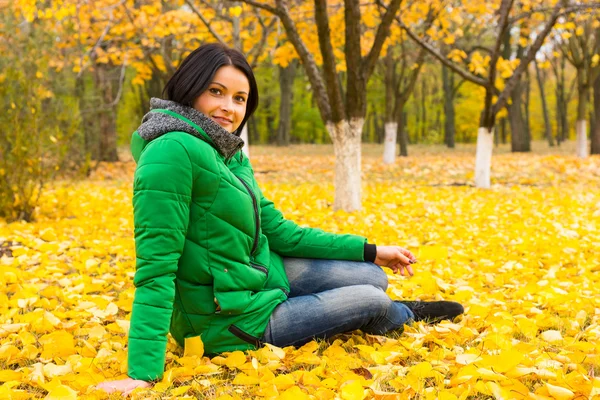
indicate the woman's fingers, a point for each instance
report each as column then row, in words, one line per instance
column 408, row 254
column 405, row 270
column 126, row 386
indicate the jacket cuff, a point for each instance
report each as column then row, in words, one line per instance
column 370, row 252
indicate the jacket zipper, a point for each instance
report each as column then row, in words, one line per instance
column 285, row 291
column 256, row 221
column 260, row 268
column 240, row 334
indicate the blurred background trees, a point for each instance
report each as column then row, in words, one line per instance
column 76, row 77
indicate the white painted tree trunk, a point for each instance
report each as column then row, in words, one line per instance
column 582, row 147
column 389, row 146
column 244, row 137
column 346, row 137
column 483, row 157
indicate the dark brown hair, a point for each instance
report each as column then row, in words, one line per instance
column 197, row 71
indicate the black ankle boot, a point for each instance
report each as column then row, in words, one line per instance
column 434, row 311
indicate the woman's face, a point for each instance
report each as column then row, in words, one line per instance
column 225, row 99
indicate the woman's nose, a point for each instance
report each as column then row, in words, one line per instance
column 227, row 104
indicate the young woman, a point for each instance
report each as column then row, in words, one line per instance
column 216, row 259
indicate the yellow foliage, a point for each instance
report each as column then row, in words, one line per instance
column 521, row 257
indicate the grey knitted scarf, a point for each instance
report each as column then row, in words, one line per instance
column 156, row 124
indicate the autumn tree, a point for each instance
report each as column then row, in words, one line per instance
column 581, row 47
column 343, row 109
column 402, row 65
column 485, row 67
column 595, row 147
column 541, row 78
column 563, row 90
column 249, row 32
column 400, row 77
column 103, row 40
column 40, row 115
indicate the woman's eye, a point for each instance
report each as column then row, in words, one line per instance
column 240, row 99
column 214, row 90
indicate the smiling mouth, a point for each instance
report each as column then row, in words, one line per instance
column 223, row 120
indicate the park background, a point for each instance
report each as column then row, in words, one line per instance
column 372, row 118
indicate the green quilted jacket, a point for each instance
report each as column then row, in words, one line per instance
column 208, row 243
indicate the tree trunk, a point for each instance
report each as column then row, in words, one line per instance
column 581, row 125
column 107, row 115
column 519, row 142
column 423, row 133
column 378, row 124
column 562, row 133
column 503, row 130
column 595, row 147
column 547, row 126
column 391, row 122
column 90, row 134
column 449, row 120
column 346, row 146
column 389, row 147
column 402, row 134
column 483, row 157
column 286, row 88
column 526, row 118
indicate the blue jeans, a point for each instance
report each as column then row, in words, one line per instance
column 328, row 297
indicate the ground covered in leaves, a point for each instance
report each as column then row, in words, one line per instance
column 523, row 257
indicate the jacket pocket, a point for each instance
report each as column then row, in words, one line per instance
column 246, row 337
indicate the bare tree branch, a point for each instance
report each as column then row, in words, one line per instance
column 368, row 63
column 205, row 22
column 147, row 54
column 537, row 44
column 308, row 61
column 266, row 7
column 434, row 52
column 100, row 40
column 334, row 91
column 488, row 113
column 567, row 10
column 258, row 48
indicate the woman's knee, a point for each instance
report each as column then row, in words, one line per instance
column 370, row 298
column 378, row 277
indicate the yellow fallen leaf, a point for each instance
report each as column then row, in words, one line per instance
column 61, row 392
column 235, row 359
column 446, row 395
column 194, row 346
column 10, row 375
column 503, row 362
column 353, row 391
column 52, row 370
column 551, row 336
column 283, row 382
column 243, row 379
column 180, row 390
column 559, row 393
column 487, row 374
column 467, row 358
column 294, row 393
column 430, row 253
column 308, row 358
column 279, row 352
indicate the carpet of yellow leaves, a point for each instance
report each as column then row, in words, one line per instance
column 523, row 257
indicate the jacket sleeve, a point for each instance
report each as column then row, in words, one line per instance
column 161, row 201
column 288, row 239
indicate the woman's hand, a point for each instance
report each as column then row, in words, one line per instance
column 124, row 385
column 395, row 258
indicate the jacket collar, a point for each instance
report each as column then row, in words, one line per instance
column 168, row 116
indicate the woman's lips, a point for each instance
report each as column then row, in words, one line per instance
column 222, row 121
